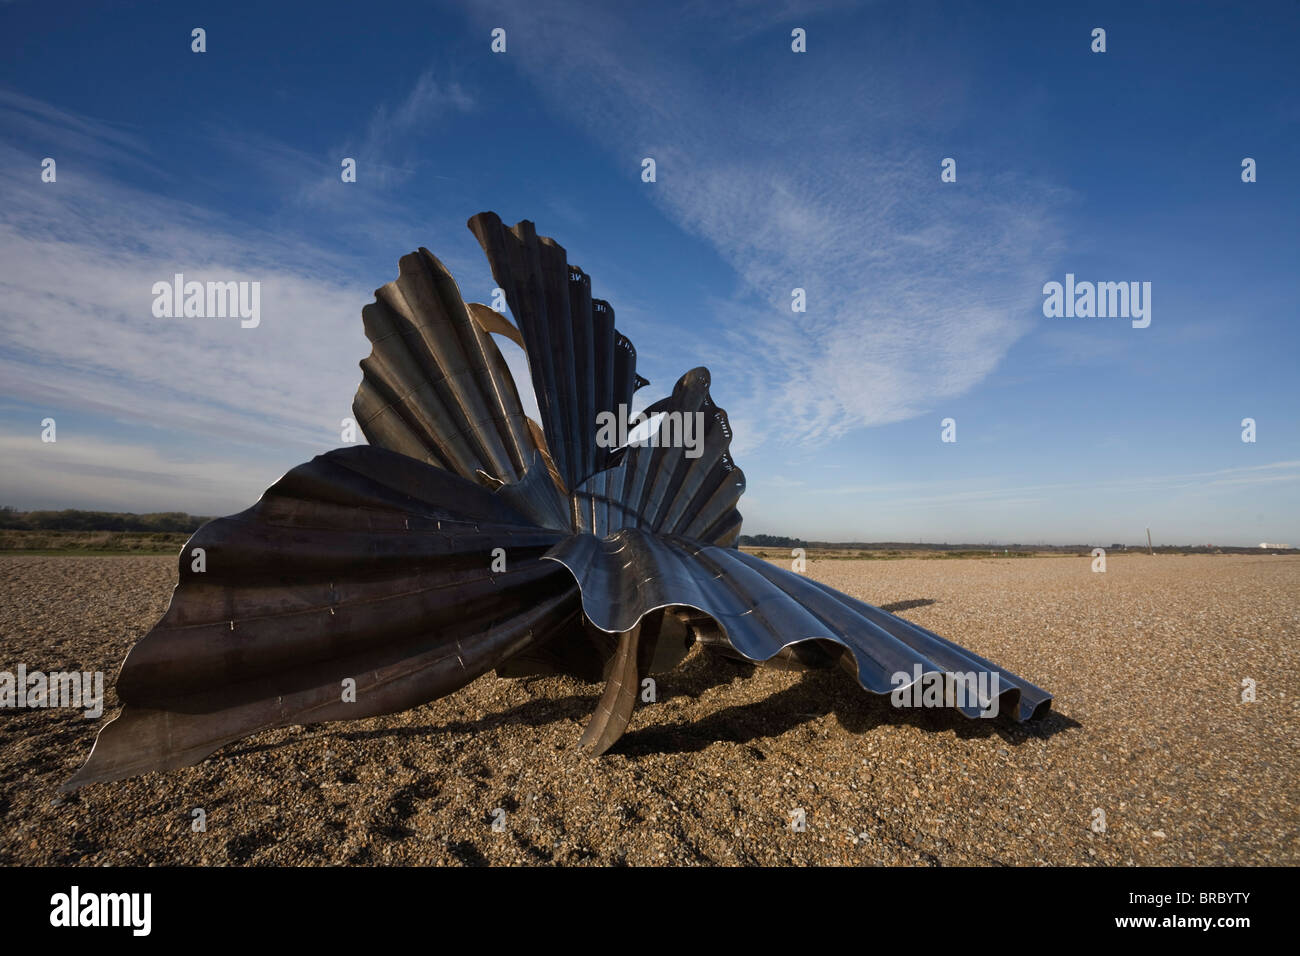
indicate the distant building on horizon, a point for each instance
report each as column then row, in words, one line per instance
column 1277, row 547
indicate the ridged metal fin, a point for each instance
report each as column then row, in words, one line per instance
column 435, row 386
column 492, row 321
column 665, row 490
column 761, row 609
column 538, row 497
column 614, row 710
column 580, row 364
column 361, row 564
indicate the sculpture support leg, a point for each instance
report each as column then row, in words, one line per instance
column 615, row 708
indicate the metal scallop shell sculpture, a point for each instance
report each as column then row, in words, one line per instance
column 379, row 563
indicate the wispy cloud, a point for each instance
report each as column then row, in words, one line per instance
column 427, row 100
column 915, row 289
column 76, row 325
column 385, row 154
column 99, row 474
column 78, row 337
column 37, row 121
column 901, row 494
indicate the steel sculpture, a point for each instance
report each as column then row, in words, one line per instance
column 466, row 537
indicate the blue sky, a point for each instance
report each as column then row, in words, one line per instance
column 775, row 170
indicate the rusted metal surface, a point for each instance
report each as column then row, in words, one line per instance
column 380, row 566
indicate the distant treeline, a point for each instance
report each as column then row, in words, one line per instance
column 69, row 520
column 770, row 541
column 778, row 541
column 178, row 522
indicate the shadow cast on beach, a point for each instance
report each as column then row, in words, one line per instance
column 816, row 694
column 907, row 605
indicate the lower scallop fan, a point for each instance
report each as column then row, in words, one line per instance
column 349, row 567
column 764, row 613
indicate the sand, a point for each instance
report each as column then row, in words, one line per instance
column 1146, row 663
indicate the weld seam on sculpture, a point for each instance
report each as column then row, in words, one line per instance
column 377, row 562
